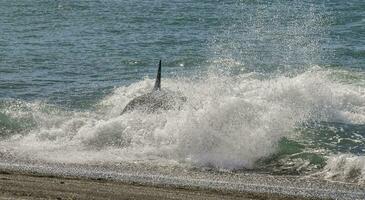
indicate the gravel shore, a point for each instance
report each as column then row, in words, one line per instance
column 28, row 186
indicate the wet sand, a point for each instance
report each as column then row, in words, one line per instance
column 15, row 185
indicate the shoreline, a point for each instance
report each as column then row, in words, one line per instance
column 18, row 185
column 128, row 182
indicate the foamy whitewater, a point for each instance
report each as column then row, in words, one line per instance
column 275, row 93
column 227, row 123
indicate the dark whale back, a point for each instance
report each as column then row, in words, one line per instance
column 157, row 99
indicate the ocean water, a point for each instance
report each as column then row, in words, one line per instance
column 272, row 87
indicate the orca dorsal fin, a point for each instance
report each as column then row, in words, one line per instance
column 158, row 78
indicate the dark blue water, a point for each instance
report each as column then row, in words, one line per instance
column 288, row 76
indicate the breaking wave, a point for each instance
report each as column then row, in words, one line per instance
column 228, row 122
column 345, row 168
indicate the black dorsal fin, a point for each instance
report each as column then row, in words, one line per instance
column 158, row 78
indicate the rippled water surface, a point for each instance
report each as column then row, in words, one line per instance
column 271, row 86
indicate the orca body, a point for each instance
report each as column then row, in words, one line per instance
column 157, row 99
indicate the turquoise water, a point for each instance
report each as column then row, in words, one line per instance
column 75, row 51
column 274, row 86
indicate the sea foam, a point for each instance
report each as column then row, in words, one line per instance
column 228, row 122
